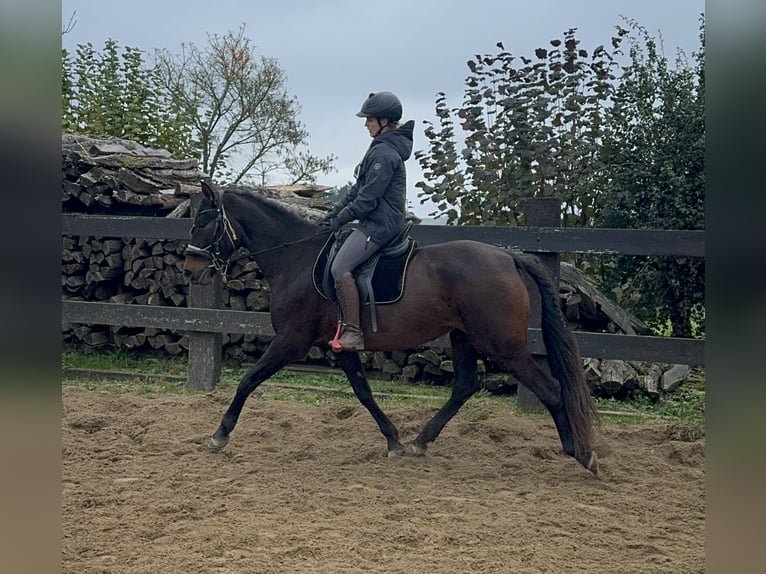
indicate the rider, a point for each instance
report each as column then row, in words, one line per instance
column 377, row 199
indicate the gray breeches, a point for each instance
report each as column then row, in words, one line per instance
column 354, row 251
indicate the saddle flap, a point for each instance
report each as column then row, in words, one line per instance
column 383, row 272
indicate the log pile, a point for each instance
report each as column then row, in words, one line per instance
column 118, row 177
column 624, row 379
column 588, row 309
column 104, row 174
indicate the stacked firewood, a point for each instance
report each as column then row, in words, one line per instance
column 123, row 270
column 104, row 174
column 623, row 379
column 108, row 175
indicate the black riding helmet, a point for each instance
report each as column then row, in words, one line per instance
column 381, row 105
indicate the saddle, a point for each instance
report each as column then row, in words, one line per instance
column 379, row 280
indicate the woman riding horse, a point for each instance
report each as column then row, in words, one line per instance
column 377, row 200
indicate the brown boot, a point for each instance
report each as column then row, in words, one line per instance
column 351, row 339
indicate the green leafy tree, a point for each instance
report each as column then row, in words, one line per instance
column 620, row 145
column 114, row 92
column 654, row 177
column 532, row 127
column 244, row 120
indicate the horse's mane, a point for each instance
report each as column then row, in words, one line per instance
column 294, row 208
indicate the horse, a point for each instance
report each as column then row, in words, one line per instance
column 471, row 291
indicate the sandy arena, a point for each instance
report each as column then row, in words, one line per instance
column 308, row 489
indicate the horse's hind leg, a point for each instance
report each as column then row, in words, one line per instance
column 464, row 358
column 352, row 367
column 547, row 389
column 278, row 354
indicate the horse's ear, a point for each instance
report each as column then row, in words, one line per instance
column 210, row 191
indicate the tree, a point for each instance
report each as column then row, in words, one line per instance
column 115, row 93
column 531, row 129
column 654, row 177
column 244, row 121
column 621, row 146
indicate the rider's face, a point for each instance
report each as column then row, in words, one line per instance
column 373, row 126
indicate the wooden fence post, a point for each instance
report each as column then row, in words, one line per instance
column 540, row 212
column 205, row 349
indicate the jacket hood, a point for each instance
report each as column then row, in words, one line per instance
column 399, row 139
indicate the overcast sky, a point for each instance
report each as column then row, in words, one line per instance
column 334, row 52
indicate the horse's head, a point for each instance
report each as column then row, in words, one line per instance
column 213, row 238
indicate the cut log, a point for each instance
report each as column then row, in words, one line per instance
column 615, row 375
column 181, row 210
column 315, row 353
column 592, row 369
column 434, row 372
column 400, row 357
column 673, row 377
column 377, row 360
column 594, row 302
column 135, row 182
column 96, row 338
column 410, row 373
column 427, row 357
column 258, row 301
column 390, row 367
column 447, row 366
column 651, row 382
column 304, row 190
column 160, row 341
column 499, row 383
column 572, row 307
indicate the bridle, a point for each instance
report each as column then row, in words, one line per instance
column 224, row 231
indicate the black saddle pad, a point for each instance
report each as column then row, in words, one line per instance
column 387, row 281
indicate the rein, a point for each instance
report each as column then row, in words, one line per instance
column 280, row 246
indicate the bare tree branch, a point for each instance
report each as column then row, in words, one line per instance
column 69, row 25
column 244, row 119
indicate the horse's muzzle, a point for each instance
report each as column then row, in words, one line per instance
column 197, row 269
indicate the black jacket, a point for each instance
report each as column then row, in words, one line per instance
column 378, row 199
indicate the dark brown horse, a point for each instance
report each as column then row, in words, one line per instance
column 471, row 290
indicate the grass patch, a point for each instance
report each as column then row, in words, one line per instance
column 686, row 405
column 125, row 360
column 159, row 373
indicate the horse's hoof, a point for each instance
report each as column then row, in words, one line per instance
column 592, row 464
column 418, row 450
column 216, row 443
column 396, row 452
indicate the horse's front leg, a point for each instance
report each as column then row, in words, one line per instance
column 352, row 367
column 277, row 355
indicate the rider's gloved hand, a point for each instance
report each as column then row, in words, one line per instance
column 329, row 220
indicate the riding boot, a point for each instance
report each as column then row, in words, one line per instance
column 351, row 339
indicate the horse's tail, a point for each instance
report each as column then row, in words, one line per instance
column 563, row 356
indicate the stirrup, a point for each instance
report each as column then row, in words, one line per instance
column 354, row 340
column 334, row 345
